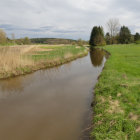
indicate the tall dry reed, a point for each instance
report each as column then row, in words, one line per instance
column 11, row 59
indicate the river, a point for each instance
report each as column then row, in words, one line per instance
column 50, row 104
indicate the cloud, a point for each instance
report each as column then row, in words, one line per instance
column 65, row 18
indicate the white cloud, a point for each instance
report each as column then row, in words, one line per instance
column 65, row 18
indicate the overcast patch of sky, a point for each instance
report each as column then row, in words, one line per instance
column 65, row 18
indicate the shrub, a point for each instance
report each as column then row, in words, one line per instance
column 137, row 42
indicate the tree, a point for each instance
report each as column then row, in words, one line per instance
column 3, row 37
column 23, row 41
column 125, row 35
column 19, row 41
column 80, row 42
column 108, row 38
column 97, row 36
column 136, row 37
column 113, row 26
column 26, row 40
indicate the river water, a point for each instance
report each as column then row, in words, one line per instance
column 50, row 104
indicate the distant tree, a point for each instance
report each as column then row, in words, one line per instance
column 108, row 38
column 73, row 43
column 136, row 37
column 3, row 37
column 26, row 40
column 125, row 35
column 23, row 41
column 8, row 40
column 80, row 42
column 113, row 26
column 19, row 41
column 132, row 40
column 97, row 36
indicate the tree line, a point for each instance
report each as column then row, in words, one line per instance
column 58, row 41
column 116, row 34
column 5, row 40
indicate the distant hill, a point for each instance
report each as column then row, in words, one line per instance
column 52, row 41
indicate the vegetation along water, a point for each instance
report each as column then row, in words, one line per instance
column 17, row 60
column 117, row 95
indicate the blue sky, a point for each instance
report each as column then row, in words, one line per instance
column 65, row 18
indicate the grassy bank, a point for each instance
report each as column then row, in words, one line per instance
column 117, row 96
column 17, row 60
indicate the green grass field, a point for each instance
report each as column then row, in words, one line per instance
column 57, row 52
column 117, row 96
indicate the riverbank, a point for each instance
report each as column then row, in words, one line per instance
column 19, row 60
column 117, row 95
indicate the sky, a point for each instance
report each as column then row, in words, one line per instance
column 71, row 19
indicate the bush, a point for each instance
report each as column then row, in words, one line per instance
column 137, row 42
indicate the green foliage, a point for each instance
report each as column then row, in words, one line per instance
column 111, row 40
column 6, row 41
column 52, row 41
column 57, row 52
column 81, row 42
column 97, row 37
column 23, row 41
column 125, row 35
column 136, row 37
column 108, row 38
column 117, row 95
column 26, row 40
column 137, row 42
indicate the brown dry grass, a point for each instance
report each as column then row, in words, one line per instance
column 11, row 58
column 133, row 116
column 68, row 55
column 138, row 130
column 16, row 60
column 115, row 107
column 34, row 49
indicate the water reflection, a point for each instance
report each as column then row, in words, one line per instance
column 11, row 84
column 97, row 57
column 17, row 85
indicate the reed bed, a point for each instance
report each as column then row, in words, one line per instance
column 11, row 60
column 17, row 60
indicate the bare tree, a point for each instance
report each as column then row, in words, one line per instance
column 2, row 37
column 113, row 26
